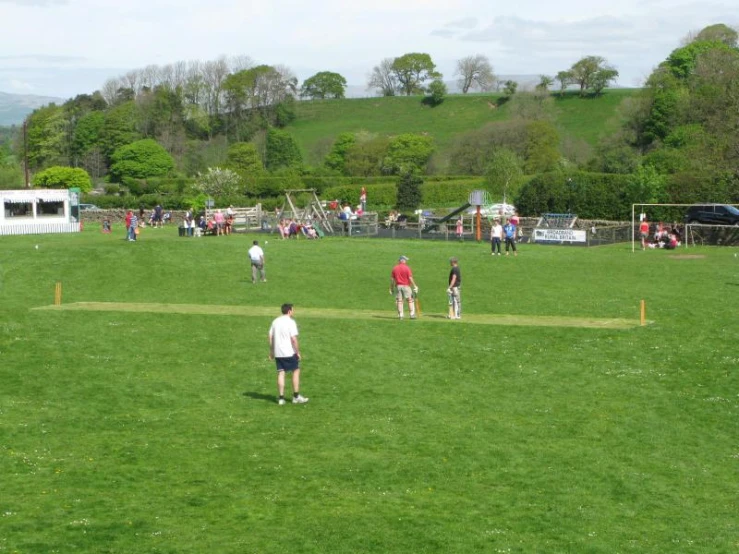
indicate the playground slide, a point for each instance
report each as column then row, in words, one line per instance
column 451, row 215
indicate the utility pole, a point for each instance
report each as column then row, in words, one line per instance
column 25, row 153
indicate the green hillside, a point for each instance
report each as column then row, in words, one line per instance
column 319, row 122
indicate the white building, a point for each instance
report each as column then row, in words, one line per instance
column 39, row 211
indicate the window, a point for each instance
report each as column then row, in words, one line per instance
column 49, row 209
column 18, row 209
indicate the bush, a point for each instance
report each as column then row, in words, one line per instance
column 63, row 177
column 139, row 160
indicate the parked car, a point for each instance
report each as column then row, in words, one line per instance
column 712, row 214
column 88, row 207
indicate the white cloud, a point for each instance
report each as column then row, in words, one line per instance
column 75, row 40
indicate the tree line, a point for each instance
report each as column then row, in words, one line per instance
column 222, row 127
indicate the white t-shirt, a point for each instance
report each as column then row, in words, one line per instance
column 282, row 330
column 256, row 254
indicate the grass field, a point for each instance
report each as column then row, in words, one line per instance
column 318, row 123
column 140, row 416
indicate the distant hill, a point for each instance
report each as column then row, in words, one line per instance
column 15, row 107
column 319, row 122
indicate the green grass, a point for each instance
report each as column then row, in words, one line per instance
column 138, row 431
column 590, row 119
column 318, row 123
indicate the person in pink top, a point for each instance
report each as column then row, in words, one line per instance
column 220, row 222
column 402, row 283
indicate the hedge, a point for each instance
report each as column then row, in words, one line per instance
column 589, row 195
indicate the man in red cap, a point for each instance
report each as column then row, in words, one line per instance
column 402, row 283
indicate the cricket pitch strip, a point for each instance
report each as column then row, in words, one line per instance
column 330, row 313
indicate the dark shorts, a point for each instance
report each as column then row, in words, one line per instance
column 288, row 364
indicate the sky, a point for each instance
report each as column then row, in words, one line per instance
column 67, row 47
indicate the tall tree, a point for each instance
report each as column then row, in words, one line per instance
column 325, row 84
column 475, row 72
column 336, row 158
column 592, row 73
column 542, row 147
column 383, row 79
column 119, row 128
column 282, row 150
column 48, row 137
column 412, row 70
column 503, row 173
column 409, row 190
column 565, row 80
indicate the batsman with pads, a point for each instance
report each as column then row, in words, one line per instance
column 454, row 296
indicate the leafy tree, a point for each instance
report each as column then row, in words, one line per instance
column 475, row 72
column 284, row 112
column 509, row 88
column 592, row 73
column 668, row 98
column 472, row 150
column 365, row 157
column 325, row 84
column 282, row 150
column 646, row 185
column 718, row 33
column 504, row 172
column 140, row 159
column 408, row 152
column 437, row 92
column 86, row 135
column 681, row 62
column 63, row 177
column 383, row 79
column 218, row 182
column 412, row 70
column 243, row 158
column 159, row 113
column 565, row 80
column 258, row 97
column 545, row 81
column 119, row 128
column 542, row 147
column 11, row 177
column 47, row 137
column 409, row 190
column 336, row 158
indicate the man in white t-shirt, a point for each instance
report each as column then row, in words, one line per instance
column 285, row 351
column 256, row 256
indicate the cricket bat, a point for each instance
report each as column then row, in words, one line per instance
column 417, row 302
column 451, row 305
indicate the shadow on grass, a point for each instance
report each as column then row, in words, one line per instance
column 260, row 396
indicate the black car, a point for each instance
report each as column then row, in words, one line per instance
column 712, row 214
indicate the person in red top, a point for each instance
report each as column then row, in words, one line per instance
column 129, row 215
column 644, row 232
column 402, row 283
